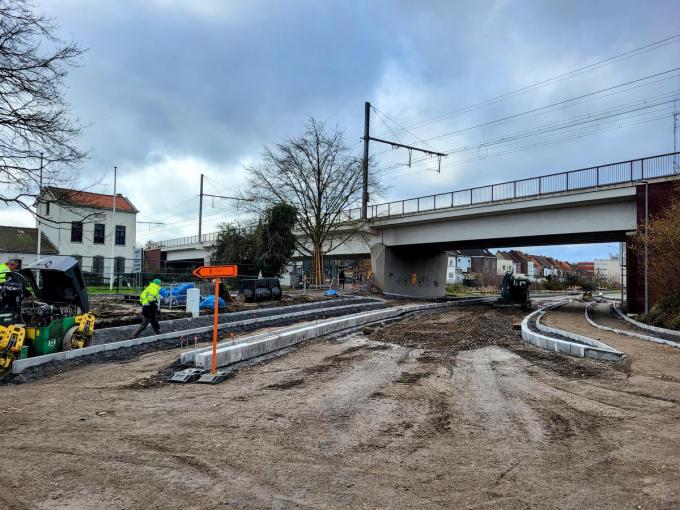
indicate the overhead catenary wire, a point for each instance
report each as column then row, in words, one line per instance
column 550, row 81
column 538, row 130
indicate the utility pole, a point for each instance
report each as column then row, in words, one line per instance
column 113, row 231
column 39, row 251
column 200, row 210
column 200, row 206
column 367, row 135
column 395, row 145
column 39, row 246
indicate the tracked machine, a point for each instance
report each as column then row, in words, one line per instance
column 514, row 292
column 43, row 309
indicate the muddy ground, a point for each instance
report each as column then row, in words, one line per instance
column 445, row 411
column 112, row 311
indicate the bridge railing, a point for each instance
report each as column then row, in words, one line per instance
column 182, row 241
column 632, row 170
column 533, row 187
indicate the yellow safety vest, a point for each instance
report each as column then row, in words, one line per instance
column 151, row 293
column 4, row 268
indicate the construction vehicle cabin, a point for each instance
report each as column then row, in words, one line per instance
column 44, row 309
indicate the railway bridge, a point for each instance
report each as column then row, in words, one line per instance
column 407, row 239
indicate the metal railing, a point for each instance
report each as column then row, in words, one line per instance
column 630, row 171
column 534, row 187
column 182, row 241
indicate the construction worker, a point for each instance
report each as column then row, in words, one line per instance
column 6, row 268
column 150, row 300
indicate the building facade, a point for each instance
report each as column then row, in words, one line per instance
column 608, row 269
column 82, row 224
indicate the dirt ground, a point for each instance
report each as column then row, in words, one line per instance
column 455, row 412
column 112, row 311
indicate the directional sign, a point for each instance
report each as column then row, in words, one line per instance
column 216, row 271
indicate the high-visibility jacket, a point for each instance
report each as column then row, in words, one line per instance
column 151, row 293
column 4, row 268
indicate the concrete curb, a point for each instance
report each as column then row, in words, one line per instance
column 593, row 348
column 258, row 345
column 648, row 338
column 642, row 325
column 20, row 365
column 120, row 333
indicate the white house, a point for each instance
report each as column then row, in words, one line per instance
column 505, row 263
column 458, row 267
column 81, row 224
column 20, row 245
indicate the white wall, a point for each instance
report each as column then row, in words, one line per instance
column 26, row 258
column 609, row 268
column 504, row 265
column 60, row 234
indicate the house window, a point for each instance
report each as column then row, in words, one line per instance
column 76, row 231
column 120, row 235
column 98, row 233
column 120, row 265
column 98, row 265
column 47, row 208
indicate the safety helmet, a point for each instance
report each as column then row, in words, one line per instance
column 157, row 281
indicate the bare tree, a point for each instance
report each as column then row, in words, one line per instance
column 35, row 118
column 317, row 174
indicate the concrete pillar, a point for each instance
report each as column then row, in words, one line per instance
column 413, row 271
column 207, row 260
column 193, row 302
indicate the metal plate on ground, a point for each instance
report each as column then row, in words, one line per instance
column 187, row 375
column 208, row 378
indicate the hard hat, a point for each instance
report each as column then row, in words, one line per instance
column 157, row 281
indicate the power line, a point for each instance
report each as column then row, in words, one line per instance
column 588, row 116
column 549, row 81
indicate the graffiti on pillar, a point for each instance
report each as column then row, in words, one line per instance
column 414, row 280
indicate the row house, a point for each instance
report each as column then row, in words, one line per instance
column 479, row 265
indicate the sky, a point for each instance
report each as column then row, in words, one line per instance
column 170, row 89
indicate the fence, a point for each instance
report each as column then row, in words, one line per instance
column 614, row 173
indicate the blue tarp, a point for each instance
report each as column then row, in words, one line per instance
column 331, row 292
column 209, row 302
column 182, row 289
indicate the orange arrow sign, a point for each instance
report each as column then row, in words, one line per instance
column 216, row 271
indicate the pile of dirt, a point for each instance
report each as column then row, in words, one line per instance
column 441, row 336
column 455, row 330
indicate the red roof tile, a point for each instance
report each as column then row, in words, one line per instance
column 94, row 200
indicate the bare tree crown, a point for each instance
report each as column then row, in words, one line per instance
column 35, row 117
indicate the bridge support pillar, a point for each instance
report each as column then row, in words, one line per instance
column 412, row 272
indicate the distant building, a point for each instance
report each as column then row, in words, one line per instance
column 505, row 263
column 608, row 269
column 478, row 265
column 534, row 269
column 80, row 224
column 585, row 268
column 20, row 245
